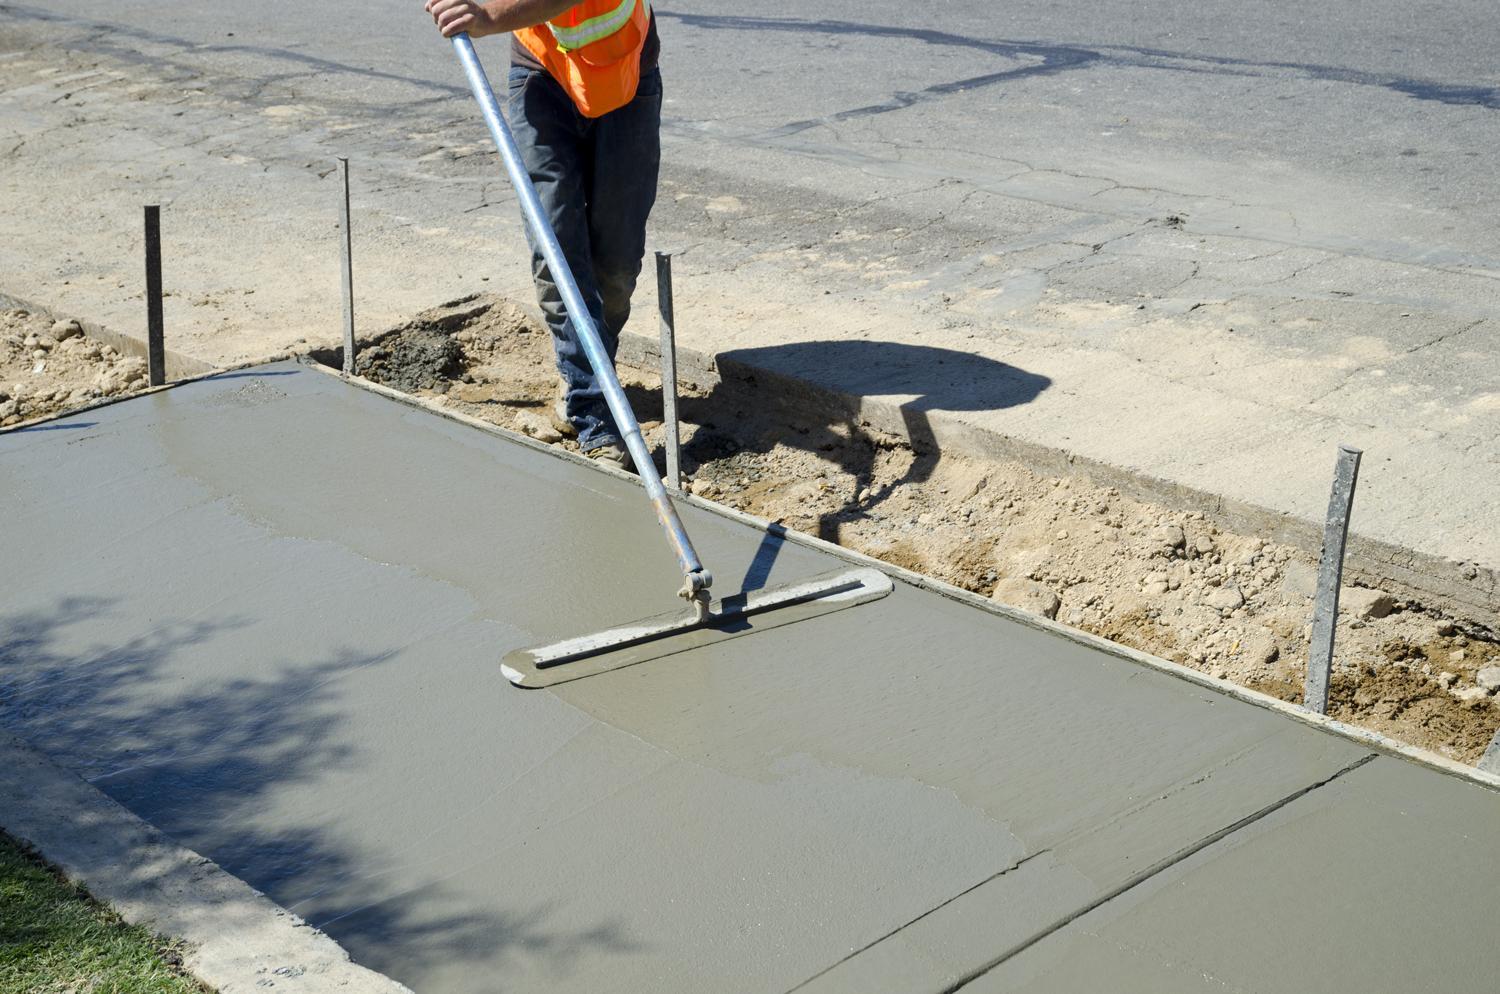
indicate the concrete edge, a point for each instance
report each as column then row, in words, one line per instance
column 238, row 939
column 179, row 366
column 208, row 373
column 1364, row 736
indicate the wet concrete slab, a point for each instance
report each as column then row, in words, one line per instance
column 266, row 612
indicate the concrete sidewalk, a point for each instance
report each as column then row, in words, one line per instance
column 265, row 612
column 1207, row 330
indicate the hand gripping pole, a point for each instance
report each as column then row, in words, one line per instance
column 696, row 580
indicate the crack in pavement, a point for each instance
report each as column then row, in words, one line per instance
column 1446, row 336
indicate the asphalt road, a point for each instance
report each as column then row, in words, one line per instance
column 1366, row 127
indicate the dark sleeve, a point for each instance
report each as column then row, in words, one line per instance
column 519, row 56
column 651, row 54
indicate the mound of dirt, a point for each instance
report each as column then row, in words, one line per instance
column 414, row 358
column 48, row 367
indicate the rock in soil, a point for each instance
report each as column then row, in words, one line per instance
column 538, row 428
column 1299, row 580
column 1029, row 596
column 76, row 370
column 1169, row 536
column 64, row 330
column 1225, row 599
column 1365, row 604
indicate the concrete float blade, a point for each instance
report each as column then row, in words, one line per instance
column 744, row 613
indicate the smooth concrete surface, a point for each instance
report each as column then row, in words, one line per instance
column 265, row 611
column 1316, row 897
column 1212, row 239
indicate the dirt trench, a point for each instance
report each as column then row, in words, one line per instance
column 1170, row 583
column 47, row 367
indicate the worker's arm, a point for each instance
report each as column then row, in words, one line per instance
column 493, row 16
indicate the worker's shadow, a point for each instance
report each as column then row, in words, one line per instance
column 809, row 394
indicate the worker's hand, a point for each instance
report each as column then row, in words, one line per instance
column 454, row 16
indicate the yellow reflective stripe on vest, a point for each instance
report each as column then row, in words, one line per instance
column 595, row 28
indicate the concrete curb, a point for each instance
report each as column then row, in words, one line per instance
column 239, row 940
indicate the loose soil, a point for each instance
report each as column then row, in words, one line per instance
column 1170, row 583
column 48, row 367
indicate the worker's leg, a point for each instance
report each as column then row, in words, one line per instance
column 553, row 139
column 625, row 156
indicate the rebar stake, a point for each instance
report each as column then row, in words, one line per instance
column 346, row 246
column 1490, row 761
column 156, row 359
column 1330, row 578
column 671, row 437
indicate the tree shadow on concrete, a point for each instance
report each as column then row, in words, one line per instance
column 810, row 396
column 200, row 758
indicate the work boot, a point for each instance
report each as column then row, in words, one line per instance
column 612, row 454
column 559, row 415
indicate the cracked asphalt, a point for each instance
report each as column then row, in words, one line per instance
column 1225, row 239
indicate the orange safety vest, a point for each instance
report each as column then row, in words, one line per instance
column 594, row 51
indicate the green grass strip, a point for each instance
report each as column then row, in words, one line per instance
column 55, row 939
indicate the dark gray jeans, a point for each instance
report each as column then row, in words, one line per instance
column 596, row 178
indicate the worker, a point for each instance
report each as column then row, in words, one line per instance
column 585, row 108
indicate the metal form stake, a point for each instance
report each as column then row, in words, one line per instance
column 1330, row 577
column 670, row 433
column 346, row 245
column 696, row 579
column 156, row 359
column 1490, row 761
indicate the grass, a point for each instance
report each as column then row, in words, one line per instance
column 55, row 939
